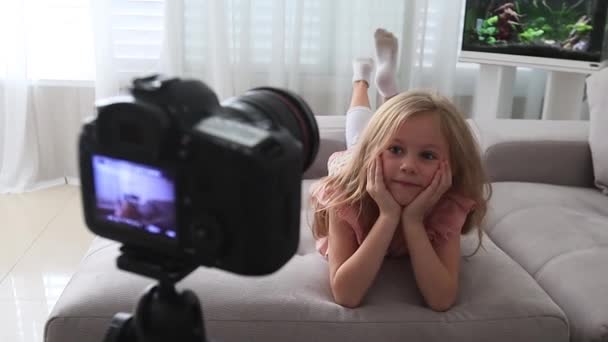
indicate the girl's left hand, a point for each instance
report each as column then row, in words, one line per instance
column 424, row 202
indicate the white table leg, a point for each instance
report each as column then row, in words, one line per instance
column 494, row 93
column 563, row 95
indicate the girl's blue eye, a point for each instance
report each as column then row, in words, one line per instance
column 395, row 150
column 428, row 155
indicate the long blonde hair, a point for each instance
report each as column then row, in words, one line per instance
column 348, row 184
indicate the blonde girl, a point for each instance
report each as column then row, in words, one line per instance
column 409, row 184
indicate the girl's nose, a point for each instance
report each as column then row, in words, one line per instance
column 408, row 165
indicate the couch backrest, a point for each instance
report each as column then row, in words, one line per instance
column 541, row 151
column 333, row 139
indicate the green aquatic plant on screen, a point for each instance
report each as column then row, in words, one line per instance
column 488, row 30
column 537, row 29
column 580, row 27
column 531, row 34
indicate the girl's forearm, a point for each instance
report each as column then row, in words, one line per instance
column 438, row 287
column 356, row 275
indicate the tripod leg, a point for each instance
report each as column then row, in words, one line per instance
column 121, row 329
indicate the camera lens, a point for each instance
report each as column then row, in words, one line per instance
column 270, row 108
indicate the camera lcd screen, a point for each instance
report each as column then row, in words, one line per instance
column 135, row 196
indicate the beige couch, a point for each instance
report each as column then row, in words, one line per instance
column 543, row 275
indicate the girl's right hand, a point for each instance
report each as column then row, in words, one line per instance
column 378, row 191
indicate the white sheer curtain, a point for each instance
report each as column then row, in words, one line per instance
column 127, row 42
column 308, row 45
column 18, row 139
column 53, row 68
column 56, row 57
column 39, row 118
column 430, row 45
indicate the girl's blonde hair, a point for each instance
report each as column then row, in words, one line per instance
column 348, row 184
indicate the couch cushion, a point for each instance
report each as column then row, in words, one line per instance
column 559, row 235
column 498, row 301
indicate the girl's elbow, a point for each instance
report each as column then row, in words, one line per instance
column 343, row 298
column 441, row 306
column 442, row 299
column 346, row 302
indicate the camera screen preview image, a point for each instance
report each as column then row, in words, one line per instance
column 135, row 196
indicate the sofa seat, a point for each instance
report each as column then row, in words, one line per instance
column 499, row 301
column 559, row 234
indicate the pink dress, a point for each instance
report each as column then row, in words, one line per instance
column 445, row 220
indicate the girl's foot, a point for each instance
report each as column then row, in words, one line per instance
column 362, row 70
column 387, row 47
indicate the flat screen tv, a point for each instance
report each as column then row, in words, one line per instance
column 565, row 35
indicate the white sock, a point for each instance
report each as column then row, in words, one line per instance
column 362, row 69
column 387, row 47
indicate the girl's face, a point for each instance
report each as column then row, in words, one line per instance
column 413, row 156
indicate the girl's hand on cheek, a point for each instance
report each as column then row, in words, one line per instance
column 426, row 200
column 378, row 191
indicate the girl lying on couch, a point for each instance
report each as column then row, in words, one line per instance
column 410, row 182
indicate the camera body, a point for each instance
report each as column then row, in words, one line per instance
column 170, row 172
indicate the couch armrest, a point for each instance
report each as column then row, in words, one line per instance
column 541, row 151
column 332, row 139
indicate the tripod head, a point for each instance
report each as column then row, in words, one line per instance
column 162, row 314
column 163, row 268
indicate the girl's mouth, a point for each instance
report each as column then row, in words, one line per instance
column 406, row 184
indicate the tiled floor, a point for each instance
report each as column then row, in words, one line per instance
column 42, row 240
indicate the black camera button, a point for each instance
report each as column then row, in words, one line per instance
column 207, row 234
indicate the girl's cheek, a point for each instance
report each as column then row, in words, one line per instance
column 387, row 159
column 430, row 173
column 385, row 164
column 389, row 167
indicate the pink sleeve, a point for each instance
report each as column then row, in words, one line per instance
column 349, row 215
column 448, row 217
column 336, row 162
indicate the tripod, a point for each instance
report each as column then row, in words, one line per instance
column 162, row 314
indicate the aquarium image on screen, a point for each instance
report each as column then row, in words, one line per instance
column 563, row 29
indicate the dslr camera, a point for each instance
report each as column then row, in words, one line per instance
column 179, row 179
